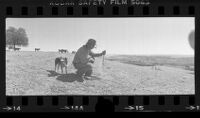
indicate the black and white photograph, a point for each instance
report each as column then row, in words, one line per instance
column 100, row 56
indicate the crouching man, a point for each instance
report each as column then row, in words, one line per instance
column 84, row 59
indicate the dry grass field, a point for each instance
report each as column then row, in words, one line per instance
column 32, row 73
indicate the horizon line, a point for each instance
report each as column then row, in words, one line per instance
column 113, row 53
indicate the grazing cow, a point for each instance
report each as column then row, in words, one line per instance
column 59, row 50
column 61, row 62
column 37, row 49
column 17, row 49
column 65, row 51
column 62, row 51
column 73, row 52
column 10, row 48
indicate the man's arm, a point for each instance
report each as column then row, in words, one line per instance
column 95, row 54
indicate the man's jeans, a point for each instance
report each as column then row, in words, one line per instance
column 83, row 69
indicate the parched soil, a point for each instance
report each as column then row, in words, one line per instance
column 32, row 73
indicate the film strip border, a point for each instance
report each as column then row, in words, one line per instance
column 36, row 8
column 100, row 11
column 100, row 103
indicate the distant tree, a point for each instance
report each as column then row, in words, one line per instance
column 16, row 37
column 192, row 39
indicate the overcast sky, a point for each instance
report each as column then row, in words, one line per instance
column 151, row 36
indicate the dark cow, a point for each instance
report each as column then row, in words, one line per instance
column 17, row 49
column 65, row 51
column 73, row 52
column 37, row 49
column 62, row 51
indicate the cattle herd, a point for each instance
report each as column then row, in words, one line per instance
column 65, row 51
column 38, row 49
column 15, row 49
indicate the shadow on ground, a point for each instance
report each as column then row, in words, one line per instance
column 52, row 73
column 70, row 77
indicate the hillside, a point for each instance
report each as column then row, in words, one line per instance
column 32, row 73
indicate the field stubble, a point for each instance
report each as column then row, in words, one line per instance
column 32, row 73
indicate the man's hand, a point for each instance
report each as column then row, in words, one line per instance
column 91, row 60
column 104, row 52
